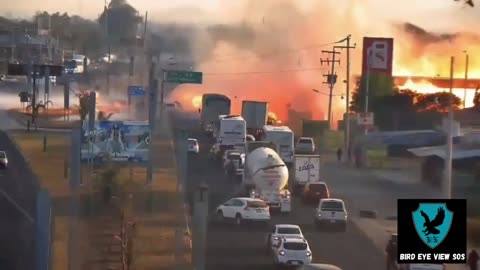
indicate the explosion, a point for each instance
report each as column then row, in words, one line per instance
column 273, row 54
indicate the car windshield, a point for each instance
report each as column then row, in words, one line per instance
column 2, row 155
column 332, row 206
column 288, row 230
column 256, row 204
column 295, row 246
column 305, row 141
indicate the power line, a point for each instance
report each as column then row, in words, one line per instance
column 273, row 53
column 263, row 72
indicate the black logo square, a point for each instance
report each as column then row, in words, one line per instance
column 432, row 231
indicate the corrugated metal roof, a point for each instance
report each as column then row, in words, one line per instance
column 459, row 151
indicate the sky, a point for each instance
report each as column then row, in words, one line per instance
column 442, row 14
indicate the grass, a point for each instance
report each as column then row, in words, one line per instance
column 473, row 232
column 48, row 166
column 155, row 241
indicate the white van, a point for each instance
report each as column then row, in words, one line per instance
column 283, row 137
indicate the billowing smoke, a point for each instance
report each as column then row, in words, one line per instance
column 270, row 50
column 425, row 53
column 271, row 54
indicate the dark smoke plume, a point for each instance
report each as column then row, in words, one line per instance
column 423, row 36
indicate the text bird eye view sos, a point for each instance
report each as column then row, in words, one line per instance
column 239, row 135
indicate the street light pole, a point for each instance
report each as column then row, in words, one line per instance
column 447, row 185
column 466, row 78
column 367, row 87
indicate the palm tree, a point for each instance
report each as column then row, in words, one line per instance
column 103, row 116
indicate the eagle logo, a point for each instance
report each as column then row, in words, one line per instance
column 432, row 223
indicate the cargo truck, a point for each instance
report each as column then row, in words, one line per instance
column 306, row 170
column 255, row 114
column 265, row 175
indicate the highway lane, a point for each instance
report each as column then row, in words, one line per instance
column 243, row 248
column 16, row 232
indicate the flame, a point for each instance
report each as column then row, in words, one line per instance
column 426, row 87
column 197, row 102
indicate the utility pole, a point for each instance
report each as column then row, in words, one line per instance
column 331, row 80
column 347, row 106
column 466, row 79
column 108, row 48
column 447, row 185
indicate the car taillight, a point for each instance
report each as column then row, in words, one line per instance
column 281, row 253
column 308, row 254
column 246, row 208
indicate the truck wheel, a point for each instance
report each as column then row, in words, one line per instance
column 238, row 219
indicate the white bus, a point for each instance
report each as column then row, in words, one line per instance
column 232, row 130
column 283, row 137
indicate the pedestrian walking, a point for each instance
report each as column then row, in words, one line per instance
column 472, row 260
column 339, row 154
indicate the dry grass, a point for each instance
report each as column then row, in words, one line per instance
column 155, row 243
column 473, row 231
column 48, row 166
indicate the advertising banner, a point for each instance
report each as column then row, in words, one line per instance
column 122, row 141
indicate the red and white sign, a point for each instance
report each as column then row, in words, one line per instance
column 377, row 55
column 365, row 119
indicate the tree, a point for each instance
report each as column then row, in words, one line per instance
column 74, row 32
column 476, row 100
column 438, row 102
column 121, row 20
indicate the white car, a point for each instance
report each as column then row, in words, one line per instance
column 305, row 145
column 3, row 160
column 243, row 209
column 292, row 251
column 283, row 230
column 331, row 212
column 193, row 146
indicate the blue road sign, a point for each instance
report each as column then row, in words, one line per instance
column 136, row 90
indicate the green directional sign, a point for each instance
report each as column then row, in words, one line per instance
column 178, row 76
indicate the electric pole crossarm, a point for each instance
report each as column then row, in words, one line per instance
column 331, row 52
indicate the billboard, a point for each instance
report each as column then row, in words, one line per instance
column 379, row 52
column 123, row 141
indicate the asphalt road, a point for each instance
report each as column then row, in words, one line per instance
column 17, row 234
column 243, row 248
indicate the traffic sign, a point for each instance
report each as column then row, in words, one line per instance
column 365, row 119
column 136, row 90
column 178, row 76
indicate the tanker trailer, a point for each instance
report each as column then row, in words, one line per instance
column 266, row 175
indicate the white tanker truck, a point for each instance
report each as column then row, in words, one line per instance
column 266, row 175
